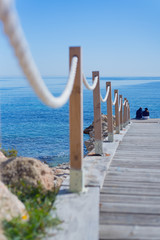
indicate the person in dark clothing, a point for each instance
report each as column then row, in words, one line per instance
column 139, row 113
column 145, row 114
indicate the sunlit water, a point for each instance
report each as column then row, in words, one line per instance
column 41, row 132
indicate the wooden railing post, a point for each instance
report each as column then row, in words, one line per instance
column 127, row 113
column 76, row 127
column 121, row 112
column 117, row 112
column 124, row 114
column 109, row 113
column 97, row 116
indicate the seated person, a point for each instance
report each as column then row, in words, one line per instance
column 139, row 113
column 145, row 114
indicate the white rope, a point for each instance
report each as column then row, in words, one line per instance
column 115, row 99
column 120, row 105
column 17, row 39
column 127, row 104
column 90, row 87
column 124, row 102
column 107, row 94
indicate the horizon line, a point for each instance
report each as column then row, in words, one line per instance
column 61, row 76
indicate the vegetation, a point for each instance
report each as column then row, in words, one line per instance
column 10, row 152
column 38, row 204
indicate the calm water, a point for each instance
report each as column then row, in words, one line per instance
column 41, row 132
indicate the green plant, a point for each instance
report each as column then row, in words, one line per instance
column 10, row 152
column 38, row 204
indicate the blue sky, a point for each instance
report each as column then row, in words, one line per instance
column 118, row 37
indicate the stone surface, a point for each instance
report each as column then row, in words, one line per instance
column 2, row 157
column 31, row 170
column 10, row 206
column 2, row 237
column 89, row 144
column 90, row 131
column 60, row 173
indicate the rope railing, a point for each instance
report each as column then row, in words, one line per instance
column 107, row 94
column 90, row 87
column 115, row 99
column 121, row 112
column 73, row 91
column 120, row 105
column 17, row 39
column 124, row 102
column 127, row 104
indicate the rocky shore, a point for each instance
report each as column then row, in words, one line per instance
column 90, row 131
column 33, row 172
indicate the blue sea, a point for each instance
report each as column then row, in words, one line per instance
column 38, row 131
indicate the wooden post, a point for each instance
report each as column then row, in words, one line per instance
column 117, row 112
column 76, row 127
column 124, row 114
column 109, row 113
column 97, row 116
column 121, row 112
column 129, row 114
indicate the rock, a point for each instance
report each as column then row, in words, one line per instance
column 91, row 134
column 60, row 173
column 2, row 157
column 90, row 130
column 89, row 144
column 2, row 237
column 10, row 206
column 30, row 170
column 58, row 181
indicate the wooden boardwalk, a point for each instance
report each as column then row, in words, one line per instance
column 130, row 197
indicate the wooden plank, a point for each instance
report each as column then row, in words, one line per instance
column 131, row 191
column 137, row 165
column 125, row 169
column 136, row 179
column 124, row 232
column 132, row 184
column 130, row 208
column 129, row 219
column 129, row 199
column 133, row 174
